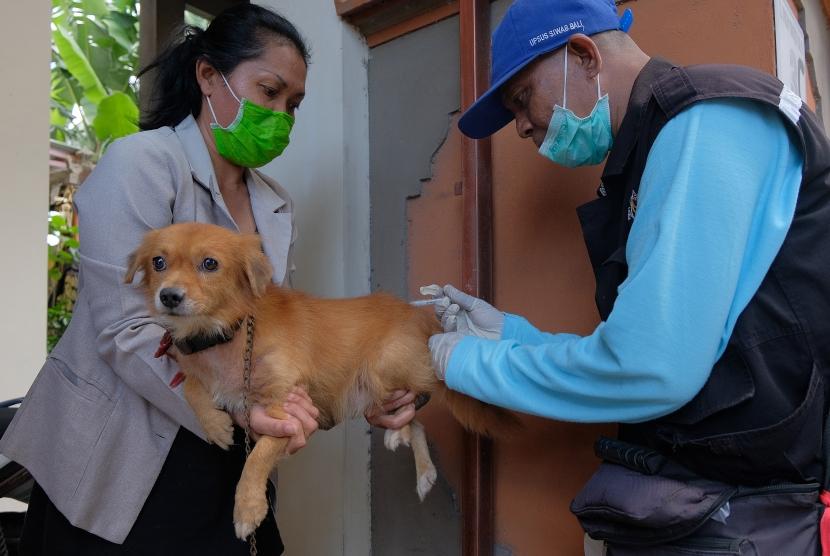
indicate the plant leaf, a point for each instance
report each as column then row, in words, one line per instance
column 56, row 221
column 121, row 34
column 117, row 116
column 125, row 5
column 95, row 7
column 78, row 64
column 125, row 20
column 56, row 118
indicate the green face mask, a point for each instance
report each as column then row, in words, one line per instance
column 255, row 137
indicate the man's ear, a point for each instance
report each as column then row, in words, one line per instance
column 258, row 270
column 584, row 48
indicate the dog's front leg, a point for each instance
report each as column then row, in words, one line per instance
column 217, row 424
column 251, row 502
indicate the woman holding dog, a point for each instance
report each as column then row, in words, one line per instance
column 120, row 462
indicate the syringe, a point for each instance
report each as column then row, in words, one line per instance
column 425, row 302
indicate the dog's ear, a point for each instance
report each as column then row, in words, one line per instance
column 134, row 262
column 258, row 270
column 138, row 257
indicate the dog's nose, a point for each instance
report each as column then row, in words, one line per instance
column 171, row 297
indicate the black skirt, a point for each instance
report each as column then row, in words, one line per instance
column 189, row 511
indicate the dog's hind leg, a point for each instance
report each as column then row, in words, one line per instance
column 251, row 503
column 424, row 468
column 393, row 438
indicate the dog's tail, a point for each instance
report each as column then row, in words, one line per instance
column 479, row 417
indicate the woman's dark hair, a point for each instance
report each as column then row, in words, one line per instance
column 237, row 34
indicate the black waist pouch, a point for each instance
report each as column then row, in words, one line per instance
column 644, row 503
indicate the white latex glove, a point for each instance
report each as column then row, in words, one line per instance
column 461, row 312
column 440, row 347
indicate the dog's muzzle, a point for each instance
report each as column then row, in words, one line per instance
column 171, row 297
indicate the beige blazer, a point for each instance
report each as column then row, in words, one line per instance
column 99, row 419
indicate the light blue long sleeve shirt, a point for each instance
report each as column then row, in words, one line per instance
column 715, row 203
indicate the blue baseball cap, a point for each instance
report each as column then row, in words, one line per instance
column 529, row 29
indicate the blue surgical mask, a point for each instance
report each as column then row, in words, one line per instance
column 573, row 141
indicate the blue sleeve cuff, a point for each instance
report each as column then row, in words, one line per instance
column 519, row 329
column 513, row 325
column 454, row 376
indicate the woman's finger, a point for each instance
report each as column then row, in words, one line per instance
column 302, row 392
column 304, row 402
column 395, row 395
column 379, row 416
column 262, row 423
column 280, row 427
column 391, row 405
column 297, row 442
column 403, row 416
column 308, row 422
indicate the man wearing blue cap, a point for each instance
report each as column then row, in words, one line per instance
column 708, row 240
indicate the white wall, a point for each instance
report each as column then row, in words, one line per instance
column 324, row 490
column 818, row 42
column 24, row 183
column 24, row 179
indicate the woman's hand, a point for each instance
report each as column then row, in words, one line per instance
column 300, row 424
column 398, row 410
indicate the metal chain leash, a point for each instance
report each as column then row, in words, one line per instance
column 246, row 401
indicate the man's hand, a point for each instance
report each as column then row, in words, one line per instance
column 398, row 410
column 441, row 347
column 461, row 312
column 300, row 424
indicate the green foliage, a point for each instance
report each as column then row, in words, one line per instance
column 57, row 319
column 63, row 267
column 77, row 64
column 94, row 60
column 94, row 100
column 117, row 117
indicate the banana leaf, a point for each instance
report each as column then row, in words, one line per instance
column 117, row 116
column 78, row 65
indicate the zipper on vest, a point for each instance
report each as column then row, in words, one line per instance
column 715, row 545
column 794, row 488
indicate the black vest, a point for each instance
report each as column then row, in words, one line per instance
column 760, row 417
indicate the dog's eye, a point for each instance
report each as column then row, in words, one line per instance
column 210, row 264
column 159, row 264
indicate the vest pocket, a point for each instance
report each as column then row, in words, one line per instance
column 787, row 450
column 728, row 376
column 759, row 417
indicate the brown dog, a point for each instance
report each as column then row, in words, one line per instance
column 203, row 281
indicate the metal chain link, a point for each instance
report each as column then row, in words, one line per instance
column 246, row 375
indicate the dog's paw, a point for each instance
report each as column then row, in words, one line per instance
column 248, row 513
column 425, row 481
column 394, row 438
column 219, row 429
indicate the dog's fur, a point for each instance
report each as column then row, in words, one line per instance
column 350, row 354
